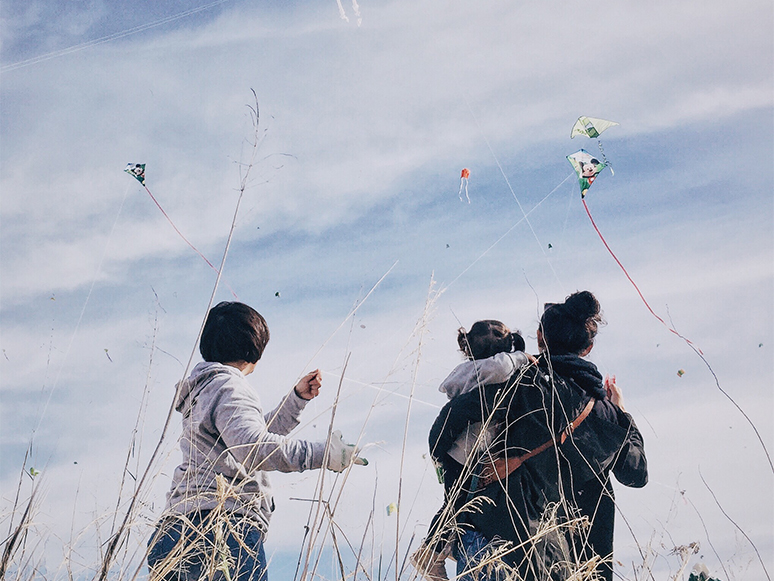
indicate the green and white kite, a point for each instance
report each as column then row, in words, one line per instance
column 590, row 127
column 587, row 167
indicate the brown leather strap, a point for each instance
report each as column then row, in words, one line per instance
column 514, row 462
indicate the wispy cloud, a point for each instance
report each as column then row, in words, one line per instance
column 367, row 128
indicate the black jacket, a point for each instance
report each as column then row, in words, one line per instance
column 531, row 409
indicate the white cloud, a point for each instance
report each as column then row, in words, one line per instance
column 379, row 119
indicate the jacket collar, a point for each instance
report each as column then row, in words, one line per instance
column 583, row 373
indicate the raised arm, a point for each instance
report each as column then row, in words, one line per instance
column 631, row 466
column 285, row 417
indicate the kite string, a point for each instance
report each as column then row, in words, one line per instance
column 108, row 38
column 83, row 312
column 634, row 284
column 736, row 405
column 212, row 266
column 500, row 239
column 688, row 342
column 179, row 233
column 513, row 193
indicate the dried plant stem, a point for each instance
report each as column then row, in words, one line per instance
column 11, row 545
column 422, row 328
column 316, row 524
column 740, row 529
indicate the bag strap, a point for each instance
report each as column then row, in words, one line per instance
column 514, row 462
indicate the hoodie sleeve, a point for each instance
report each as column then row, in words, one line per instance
column 500, row 367
column 285, row 417
column 239, row 420
column 469, row 374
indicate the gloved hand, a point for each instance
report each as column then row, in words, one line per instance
column 341, row 454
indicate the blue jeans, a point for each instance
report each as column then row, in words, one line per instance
column 471, row 550
column 203, row 546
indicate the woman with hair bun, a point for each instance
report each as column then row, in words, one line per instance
column 563, row 429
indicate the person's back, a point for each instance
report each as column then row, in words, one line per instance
column 560, row 435
column 530, row 411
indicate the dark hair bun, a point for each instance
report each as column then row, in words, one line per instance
column 582, row 306
column 570, row 327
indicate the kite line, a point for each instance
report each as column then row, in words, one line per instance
column 585, row 183
column 634, row 284
column 137, row 171
column 513, row 193
column 588, row 168
column 500, row 239
column 108, row 38
column 171, row 223
column 80, row 317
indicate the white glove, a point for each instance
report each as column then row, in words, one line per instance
column 341, row 454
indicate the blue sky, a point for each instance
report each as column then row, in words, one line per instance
column 365, row 130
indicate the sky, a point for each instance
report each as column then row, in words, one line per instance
column 367, row 114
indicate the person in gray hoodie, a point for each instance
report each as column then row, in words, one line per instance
column 220, row 504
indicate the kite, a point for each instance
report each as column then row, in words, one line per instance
column 391, row 508
column 136, row 170
column 587, row 168
column 680, row 372
column 592, row 127
column 464, row 175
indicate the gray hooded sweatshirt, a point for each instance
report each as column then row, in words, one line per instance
column 469, row 375
column 226, row 434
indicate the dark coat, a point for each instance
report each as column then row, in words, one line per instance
column 531, row 409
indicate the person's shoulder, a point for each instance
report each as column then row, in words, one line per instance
column 218, row 379
column 539, row 373
column 456, row 381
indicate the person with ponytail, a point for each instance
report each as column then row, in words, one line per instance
column 493, row 354
column 562, row 430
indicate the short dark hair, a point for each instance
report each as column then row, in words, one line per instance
column 233, row 332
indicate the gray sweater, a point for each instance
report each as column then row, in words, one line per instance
column 229, row 444
column 473, row 373
column 468, row 376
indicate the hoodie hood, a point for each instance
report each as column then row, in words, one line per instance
column 202, row 374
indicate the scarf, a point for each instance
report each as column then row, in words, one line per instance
column 584, row 373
